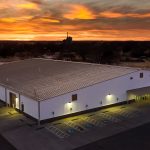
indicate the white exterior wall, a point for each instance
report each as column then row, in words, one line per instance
column 93, row 95
column 2, row 94
column 30, row 106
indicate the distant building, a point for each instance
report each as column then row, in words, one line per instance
column 45, row 89
column 68, row 40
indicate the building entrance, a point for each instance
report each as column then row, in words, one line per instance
column 143, row 97
column 12, row 100
column 140, row 94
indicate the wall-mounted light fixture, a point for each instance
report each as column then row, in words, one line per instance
column 86, row 106
column 69, row 105
column 53, row 112
column 109, row 97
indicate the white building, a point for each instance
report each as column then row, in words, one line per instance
column 46, row 89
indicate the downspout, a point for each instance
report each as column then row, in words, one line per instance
column 19, row 103
column 39, row 113
column 39, row 110
column 6, row 97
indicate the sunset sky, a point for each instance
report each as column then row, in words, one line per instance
column 83, row 19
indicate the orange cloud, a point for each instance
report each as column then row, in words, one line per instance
column 109, row 14
column 135, row 15
column 49, row 20
column 22, row 37
column 19, row 22
column 3, row 6
column 15, row 19
column 8, row 20
column 79, row 12
column 28, row 6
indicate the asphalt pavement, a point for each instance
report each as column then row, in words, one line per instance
column 113, row 128
column 134, row 139
column 5, row 145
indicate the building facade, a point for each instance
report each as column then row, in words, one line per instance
column 51, row 93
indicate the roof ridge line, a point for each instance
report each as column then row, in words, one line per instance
column 88, row 63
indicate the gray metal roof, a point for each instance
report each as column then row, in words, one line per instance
column 42, row 79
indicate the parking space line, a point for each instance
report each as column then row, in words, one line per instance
column 82, row 123
column 76, row 126
column 91, row 120
column 109, row 117
column 57, row 132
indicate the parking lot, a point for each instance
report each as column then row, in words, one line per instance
column 71, row 132
column 133, row 139
column 71, row 126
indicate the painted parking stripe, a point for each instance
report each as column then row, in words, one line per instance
column 57, row 132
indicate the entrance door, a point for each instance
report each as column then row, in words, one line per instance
column 12, row 100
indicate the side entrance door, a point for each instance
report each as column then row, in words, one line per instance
column 12, row 100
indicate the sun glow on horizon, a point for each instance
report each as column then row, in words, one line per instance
column 87, row 20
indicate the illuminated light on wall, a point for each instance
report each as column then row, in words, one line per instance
column 109, row 97
column 69, row 105
column 17, row 102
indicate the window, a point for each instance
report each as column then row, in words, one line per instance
column 74, row 97
column 141, row 75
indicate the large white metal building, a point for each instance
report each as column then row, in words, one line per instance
column 47, row 89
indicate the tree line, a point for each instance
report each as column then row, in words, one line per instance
column 89, row 51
